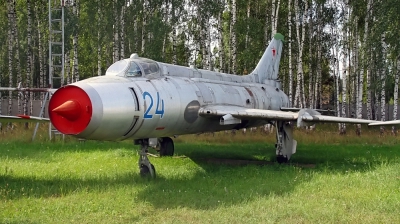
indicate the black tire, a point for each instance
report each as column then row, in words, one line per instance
column 281, row 159
column 166, row 147
column 145, row 172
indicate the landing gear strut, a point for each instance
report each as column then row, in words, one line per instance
column 146, row 168
column 285, row 144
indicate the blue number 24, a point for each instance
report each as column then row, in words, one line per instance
column 159, row 111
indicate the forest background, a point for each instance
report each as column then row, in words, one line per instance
column 338, row 54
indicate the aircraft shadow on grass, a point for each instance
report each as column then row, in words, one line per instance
column 211, row 185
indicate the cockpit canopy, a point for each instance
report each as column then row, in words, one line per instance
column 133, row 67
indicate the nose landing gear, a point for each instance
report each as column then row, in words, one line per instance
column 166, row 148
column 146, row 168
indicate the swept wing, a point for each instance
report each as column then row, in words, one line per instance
column 304, row 117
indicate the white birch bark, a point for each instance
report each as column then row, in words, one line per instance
column 365, row 60
column 136, row 34
column 122, row 31
column 311, row 88
column 274, row 16
column 337, row 76
column 360, row 85
column 208, row 47
column 115, row 32
column 396, row 92
column 144, row 24
column 299, row 96
column 99, row 18
column 221, row 51
column 383, row 79
column 17, row 56
column 247, row 38
column 267, row 23
column 344, row 83
column 40, row 53
column 271, row 20
column 174, row 33
column 290, row 54
column 67, row 67
column 75, row 69
column 10, row 55
column 29, row 64
column 233, row 36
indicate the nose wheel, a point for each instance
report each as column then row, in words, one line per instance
column 166, row 146
column 145, row 167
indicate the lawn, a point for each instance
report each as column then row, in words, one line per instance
column 331, row 179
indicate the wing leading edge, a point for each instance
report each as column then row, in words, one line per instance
column 381, row 123
column 304, row 117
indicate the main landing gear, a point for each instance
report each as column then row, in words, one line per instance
column 166, row 148
column 285, row 144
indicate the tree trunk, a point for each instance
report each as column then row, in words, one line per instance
column 365, row 56
column 344, row 84
column 17, row 56
column 396, row 92
column 115, row 32
column 29, row 64
column 360, row 82
column 311, row 93
column 290, row 55
column 99, row 39
column 75, row 70
column 274, row 16
column 299, row 97
column 10, row 53
column 144, row 23
column 122, row 31
column 233, row 36
column 221, row 50
column 383, row 79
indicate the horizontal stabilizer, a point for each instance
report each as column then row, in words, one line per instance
column 23, row 118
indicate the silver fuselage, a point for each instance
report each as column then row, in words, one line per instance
column 166, row 102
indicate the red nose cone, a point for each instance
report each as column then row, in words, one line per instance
column 70, row 110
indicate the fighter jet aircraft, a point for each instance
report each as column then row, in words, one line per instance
column 140, row 99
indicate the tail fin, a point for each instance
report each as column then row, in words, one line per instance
column 268, row 66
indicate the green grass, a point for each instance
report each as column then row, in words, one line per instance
column 353, row 180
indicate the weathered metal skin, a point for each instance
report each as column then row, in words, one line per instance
column 168, row 105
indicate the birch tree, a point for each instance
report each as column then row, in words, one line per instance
column 122, row 30
column 10, row 53
column 115, row 32
column 233, row 36
column 383, row 79
column 221, row 51
column 290, row 95
column 17, row 56
column 99, row 42
column 311, row 93
column 299, row 97
column 365, row 56
column 396, row 92
column 274, row 16
column 75, row 69
column 29, row 62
